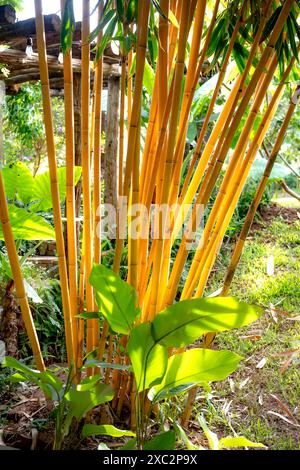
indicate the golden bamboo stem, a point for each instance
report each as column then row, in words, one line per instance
column 18, row 278
column 70, row 184
column 258, row 195
column 70, row 340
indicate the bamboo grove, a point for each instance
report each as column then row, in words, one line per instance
column 162, row 270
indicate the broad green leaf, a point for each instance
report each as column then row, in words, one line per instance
column 82, row 402
column 182, row 323
column 104, row 430
column 95, row 363
column 88, row 383
column 183, row 436
column 238, row 441
column 212, row 437
column 27, row 226
column 148, row 359
column 116, row 299
column 19, row 366
column 106, row 38
column 130, row 445
column 194, row 366
column 18, row 182
column 163, row 441
column 42, row 189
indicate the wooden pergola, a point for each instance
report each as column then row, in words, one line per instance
column 23, row 68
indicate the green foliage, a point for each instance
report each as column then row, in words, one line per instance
column 104, row 430
column 16, row 4
column 115, row 298
column 177, row 326
column 23, row 126
column 72, row 402
column 26, row 226
column 67, row 26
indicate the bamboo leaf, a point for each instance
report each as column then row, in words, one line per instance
column 106, row 38
column 67, row 26
column 116, row 299
column 105, row 20
column 194, row 366
column 104, row 430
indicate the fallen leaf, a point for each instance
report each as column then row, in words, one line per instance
column 284, row 407
column 261, row 363
column 252, row 337
column 284, row 418
column 243, row 383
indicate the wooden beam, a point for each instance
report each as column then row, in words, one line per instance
column 27, row 28
column 111, row 142
column 15, row 59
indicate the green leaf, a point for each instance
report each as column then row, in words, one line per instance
column 148, row 79
column 42, row 189
column 18, row 182
column 106, row 19
column 130, row 445
column 183, row 436
column 116, row 299
column 104, row 430
column 95, row 363
column 163, row 441
column 106, row 38
column 82, row 402
column 238, row 441
column 67, row 26
column 182, row 323
column 194, row 366
column 120, row 9
column 212, row 437
column 19, row 366
column 27, row 226
column 148, row 359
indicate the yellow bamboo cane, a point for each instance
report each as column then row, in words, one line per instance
column 86, row 171
column 70, row 184
column 18, row 278
column 70, row 341
column 258, row 196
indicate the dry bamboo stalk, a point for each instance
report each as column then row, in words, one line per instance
column 258, row 195
column 70, row 340
column 86, row 168
column 18, row 278
column 70, row 184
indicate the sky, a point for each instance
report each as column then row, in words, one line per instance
column 53, row 6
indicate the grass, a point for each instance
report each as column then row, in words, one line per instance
column 245, row 404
